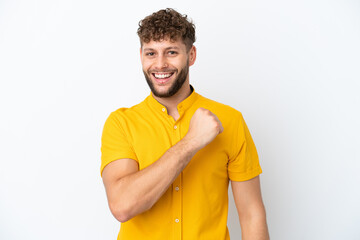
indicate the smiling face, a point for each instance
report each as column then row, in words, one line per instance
column 166, row 66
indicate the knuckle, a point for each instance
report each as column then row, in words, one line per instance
column 216, row 124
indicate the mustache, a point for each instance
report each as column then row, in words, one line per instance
column 164, row 70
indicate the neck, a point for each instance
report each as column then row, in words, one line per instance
column 171, row 102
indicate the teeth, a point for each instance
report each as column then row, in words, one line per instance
column 162, row 75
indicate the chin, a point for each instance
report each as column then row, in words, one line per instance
column 162, row 91
column 169, row 87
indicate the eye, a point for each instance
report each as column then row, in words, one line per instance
column 172, row 52
column 150, row 54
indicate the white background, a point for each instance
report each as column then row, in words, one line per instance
column 291, row 68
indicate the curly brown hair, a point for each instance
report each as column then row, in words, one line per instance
column 167, row 23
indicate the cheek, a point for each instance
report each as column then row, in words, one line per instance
column 179, row 64
column 145, row 65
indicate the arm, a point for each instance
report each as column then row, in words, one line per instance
column 251, row 210
column 131, row 192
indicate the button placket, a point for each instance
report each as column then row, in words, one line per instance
column 177, row 193
column 177, row 211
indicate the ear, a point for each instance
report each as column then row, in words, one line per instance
column 141, row 54
column 192, row 55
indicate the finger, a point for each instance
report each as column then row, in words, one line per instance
column 221, row 128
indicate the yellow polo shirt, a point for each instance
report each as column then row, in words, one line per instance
column 195, row 207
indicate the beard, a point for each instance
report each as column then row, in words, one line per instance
column 174, row 88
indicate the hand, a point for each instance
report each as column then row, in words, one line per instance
column 204, row 127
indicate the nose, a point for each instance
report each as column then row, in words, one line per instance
column 161, row 62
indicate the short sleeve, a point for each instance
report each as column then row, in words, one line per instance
column 244, row 163
column 114, row 142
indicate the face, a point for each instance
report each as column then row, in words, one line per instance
column 166, row 66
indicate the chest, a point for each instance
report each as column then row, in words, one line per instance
column 156, row 135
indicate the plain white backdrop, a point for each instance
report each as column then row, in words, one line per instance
column 291, row 68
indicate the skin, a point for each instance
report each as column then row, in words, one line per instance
column 162, row 57
column 180, row 76
column 131, row 192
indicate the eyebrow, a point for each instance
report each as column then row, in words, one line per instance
column 168, row 48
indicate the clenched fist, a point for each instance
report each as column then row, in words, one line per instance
column 204, row 127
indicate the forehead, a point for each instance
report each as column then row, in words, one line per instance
column 164, row 44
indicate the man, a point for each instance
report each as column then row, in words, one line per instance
column 166, row 162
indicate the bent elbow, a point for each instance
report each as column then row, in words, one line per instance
column 126, row 209
column 122, row 217
column 120, row 213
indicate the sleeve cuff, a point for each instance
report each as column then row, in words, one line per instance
column 240, row 177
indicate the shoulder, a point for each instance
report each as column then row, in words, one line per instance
column 219, row 109
column 127, row 113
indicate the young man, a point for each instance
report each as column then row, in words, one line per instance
column 166, row 162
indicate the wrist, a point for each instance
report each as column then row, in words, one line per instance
column 192, row 143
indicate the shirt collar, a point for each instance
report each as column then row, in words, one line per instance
column 182, row 106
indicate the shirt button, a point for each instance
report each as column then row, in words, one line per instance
column 175, row 127
column 177, row 188
column 177, row 220
column 163, row 109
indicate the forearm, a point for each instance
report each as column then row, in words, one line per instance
column 131, row 192
column 138, row 192
column 254, row 226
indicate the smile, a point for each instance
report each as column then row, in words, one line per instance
column 162, row 75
